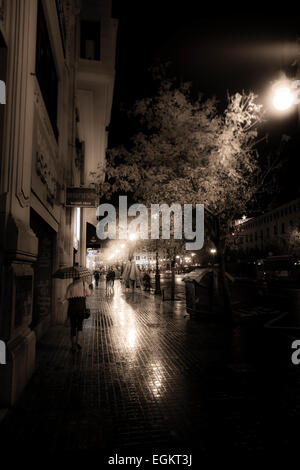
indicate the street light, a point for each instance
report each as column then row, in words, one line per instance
column 283, row 94
column 283, row 98
column 213, row 252
column 157, row 273
column 132, row 236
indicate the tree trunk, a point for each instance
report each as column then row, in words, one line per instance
column 225, row 288
column 220, row 243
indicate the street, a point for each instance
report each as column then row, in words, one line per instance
column 148, row 378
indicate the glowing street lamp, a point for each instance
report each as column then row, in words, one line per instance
column 213, row 251
column 132, row 236
column 284, row 93
column 283, row 98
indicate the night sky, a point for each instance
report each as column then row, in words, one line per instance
column 216, row 53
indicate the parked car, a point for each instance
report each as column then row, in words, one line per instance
column 283, row 267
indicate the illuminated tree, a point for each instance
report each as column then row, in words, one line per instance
column 189, row 152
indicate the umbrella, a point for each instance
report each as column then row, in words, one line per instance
column 77, row 272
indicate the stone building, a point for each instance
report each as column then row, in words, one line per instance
column 269, row 231
column 52, row 64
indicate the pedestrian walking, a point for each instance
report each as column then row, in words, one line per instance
column 147, row 282
column 131, row 275
column 110, row 280
column 113, row 276
column 97, row 277
column 76, row 295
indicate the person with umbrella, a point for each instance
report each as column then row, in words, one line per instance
column 131, row 275
column 76, row 295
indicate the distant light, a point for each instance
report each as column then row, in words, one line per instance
column 132, row 236
column 283, row 98
column 123, row 246
column 213, row 250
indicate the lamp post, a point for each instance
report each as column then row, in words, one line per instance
column 213, row 252
column 157, row 274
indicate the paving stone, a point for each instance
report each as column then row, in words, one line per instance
column 148, row 376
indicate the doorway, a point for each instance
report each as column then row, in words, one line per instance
column 43, row 268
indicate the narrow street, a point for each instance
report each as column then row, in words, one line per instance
column 148, row 379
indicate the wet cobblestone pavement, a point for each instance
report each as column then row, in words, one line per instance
column 148, row 379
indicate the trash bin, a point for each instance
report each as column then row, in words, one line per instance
column 204, row 292
column 199, row 291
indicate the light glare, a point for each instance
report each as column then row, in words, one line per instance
column 283, row 98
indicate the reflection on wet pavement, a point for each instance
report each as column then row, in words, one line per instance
column 141, row 380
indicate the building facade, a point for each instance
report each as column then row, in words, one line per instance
column 42, row 155
column 270, row 231
column 145, row 260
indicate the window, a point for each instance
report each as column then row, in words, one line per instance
column 275, row 229
column 255, row 236
column 45, row 69
column 90, row 40
column 137, row 258
column 282, row 228
column 268, row 232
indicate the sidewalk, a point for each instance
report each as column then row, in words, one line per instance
column 148, row 378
